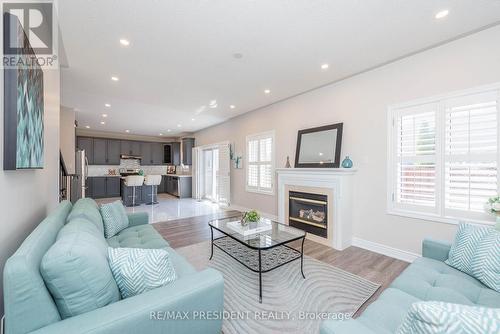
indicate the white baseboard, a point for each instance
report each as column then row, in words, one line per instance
column 243, row 209
column 385, row 250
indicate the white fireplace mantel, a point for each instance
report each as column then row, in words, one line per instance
column 338, row 181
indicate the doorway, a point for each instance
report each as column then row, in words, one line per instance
column 210, row 172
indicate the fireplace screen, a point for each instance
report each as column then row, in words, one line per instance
column 308, row 212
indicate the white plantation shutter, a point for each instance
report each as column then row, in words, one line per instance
column 416, row 156
column 197, row 168
column 260, row 166
column 444, row 156
column 224, row 175
column 471, row 152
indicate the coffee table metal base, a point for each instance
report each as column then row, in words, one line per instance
column 258, row 260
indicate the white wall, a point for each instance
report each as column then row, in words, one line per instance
column 27, row 196
column 361, row 104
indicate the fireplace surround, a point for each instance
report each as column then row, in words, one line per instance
column 309, row 212
column 331, row 185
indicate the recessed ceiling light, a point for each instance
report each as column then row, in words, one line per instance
column 102, row 122
column 115, row 78
column 87, row 126
column 442, row 14
column 161, row 134
column 104, row 115
column 179, row 125
column 107, row 105
column 127, row 131
column 124, row 42
column 237, row 55
column 213, row 104
column 168, row 130
column 193, row 119
column 325, row 66
column 232, row 106
column 267, row 91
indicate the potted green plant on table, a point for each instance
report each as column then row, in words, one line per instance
column 493, row 207
column 251, row 216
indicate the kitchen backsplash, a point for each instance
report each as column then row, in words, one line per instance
column 103, row 170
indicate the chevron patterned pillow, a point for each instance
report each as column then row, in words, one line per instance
column 138, row 270
column 114, row 218
column 463, row 249
column 447, row 318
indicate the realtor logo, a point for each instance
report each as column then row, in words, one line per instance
column 36, row 20
column 29, row 34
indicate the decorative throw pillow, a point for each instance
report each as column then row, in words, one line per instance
column 447, row 318
column 464, row 247
column 138, row 270
column 486, row 261
column 115, row 218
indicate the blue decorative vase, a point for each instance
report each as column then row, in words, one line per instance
column 347, row 163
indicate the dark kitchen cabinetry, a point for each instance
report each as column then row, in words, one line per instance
column 187, row 151
column 172, row 154
column 103, row 187
column 87, row 144
column 114, row 148
column 157, row 153
column 100, row 151
column 98, row 187
column 147, row 157
column 131, row 147
column 112, row 187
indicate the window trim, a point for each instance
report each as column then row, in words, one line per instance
column 439, row 214
column 258, row 136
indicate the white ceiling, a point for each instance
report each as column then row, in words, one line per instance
column 181, row 52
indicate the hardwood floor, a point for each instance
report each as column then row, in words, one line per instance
column 372, row 266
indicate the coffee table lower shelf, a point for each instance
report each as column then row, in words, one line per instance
column 259, row 260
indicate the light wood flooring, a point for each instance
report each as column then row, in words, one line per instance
column 372, row 266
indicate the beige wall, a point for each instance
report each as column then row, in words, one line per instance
column 67, row 138
column 361, row 104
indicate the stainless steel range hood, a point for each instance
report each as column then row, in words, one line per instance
column 130, row 157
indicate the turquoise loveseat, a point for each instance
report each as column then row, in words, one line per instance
column 30, row 308
column 427, row 278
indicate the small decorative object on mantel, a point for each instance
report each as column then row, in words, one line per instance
column 493, row 207
column 347, row 162
column 250, row 217
column 238, row 162
column 287, row 165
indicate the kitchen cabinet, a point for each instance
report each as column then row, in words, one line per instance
column 113, row 186
column 87, row 144
column 113, row 153
column 135, row 147
column 187, row 151
column 130, row 147
column 162, row 188
column 125, row 147
column 103, row 187
column 146, row 153
column 175, row 153
column 128, row 192
column 98, row 187
column 100, row 154
column 157, row 153
column 185, row 187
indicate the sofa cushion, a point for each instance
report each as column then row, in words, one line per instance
column 137, row 270
column 465, row 245
column 181, row 265
column 88, row 209
column 439, row 317
column 140, row 236
column 114, row 217
column 76, row 271
column 429, row 279
column 486, row 262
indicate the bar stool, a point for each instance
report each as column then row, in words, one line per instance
column 153, row 181
column 134, row 181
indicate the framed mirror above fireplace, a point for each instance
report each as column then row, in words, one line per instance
column 319, row 147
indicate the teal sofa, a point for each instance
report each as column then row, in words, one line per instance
column 30, row 308
column 427, row 278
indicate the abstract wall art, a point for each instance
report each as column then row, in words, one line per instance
column 23, row 105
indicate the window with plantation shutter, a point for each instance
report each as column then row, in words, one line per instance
column 260, row 166
column 443, row 156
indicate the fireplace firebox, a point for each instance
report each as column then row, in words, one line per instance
column 309, row 212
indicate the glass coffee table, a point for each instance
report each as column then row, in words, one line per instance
column 260, row 247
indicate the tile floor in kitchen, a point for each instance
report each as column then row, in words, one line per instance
column 171, row 208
